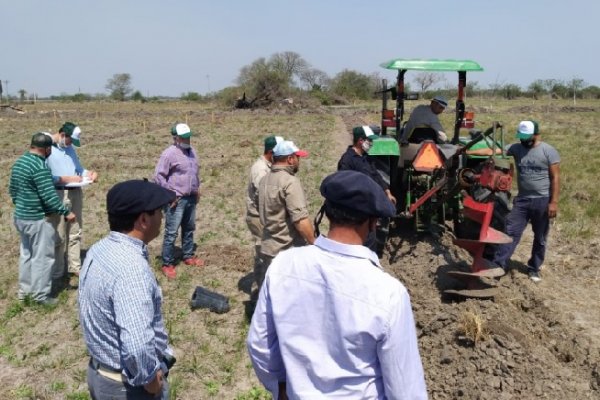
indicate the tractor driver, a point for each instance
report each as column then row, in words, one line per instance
column 426, row 116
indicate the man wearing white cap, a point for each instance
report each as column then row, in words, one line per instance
column 426, row 116
column 282, row 207
column 537, row 200
column 68, row 175
column 178, row 170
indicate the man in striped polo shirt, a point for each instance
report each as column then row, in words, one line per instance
column 35, row 199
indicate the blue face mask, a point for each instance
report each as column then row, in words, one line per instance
column 183, row 146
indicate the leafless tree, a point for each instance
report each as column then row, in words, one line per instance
column 426, row 79
column 314, row 78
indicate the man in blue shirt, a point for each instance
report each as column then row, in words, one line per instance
column 329, row 322
column 68, row 176
column 120, row 300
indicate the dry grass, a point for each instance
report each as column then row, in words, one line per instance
column 473, row 327
column 42, row 354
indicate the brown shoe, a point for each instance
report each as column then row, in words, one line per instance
column 169, row 271
column 195, row 261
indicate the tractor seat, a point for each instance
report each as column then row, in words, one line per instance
column 420, row 134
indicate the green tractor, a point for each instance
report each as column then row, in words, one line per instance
column 434, row 181
column 425, row 175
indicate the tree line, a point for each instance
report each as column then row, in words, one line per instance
column 287, row 75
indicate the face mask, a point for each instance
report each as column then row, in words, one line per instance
column 184, row 146
column 62, row 143
column 527, row 143
column 366, row 146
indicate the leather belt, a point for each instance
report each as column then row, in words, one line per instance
column 107, row 372
column 65, row 188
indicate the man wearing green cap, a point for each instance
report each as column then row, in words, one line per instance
column 68, row 176
column 35, row 199
column 258, row 170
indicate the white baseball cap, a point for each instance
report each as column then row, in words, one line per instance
column 286, row 148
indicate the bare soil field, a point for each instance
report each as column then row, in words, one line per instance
column 537, row 341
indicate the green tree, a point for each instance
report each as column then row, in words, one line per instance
column 537, row 88
column 119, row 86
column 591, row 92
column 353, row 85
column 138, row 96
column 191, row 96
column 511, row 91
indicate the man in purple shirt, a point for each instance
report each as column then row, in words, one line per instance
column 177, row 170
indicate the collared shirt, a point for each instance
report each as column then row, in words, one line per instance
column 331, row 323
column 64, row 162
column 281, row 203
column 178, row 170
column 351, row 160
column 421, row 116
column 120, row 308
column 31, row 189
column 258, row 170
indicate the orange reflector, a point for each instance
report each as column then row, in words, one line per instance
column 388, row 114
column 428, row 158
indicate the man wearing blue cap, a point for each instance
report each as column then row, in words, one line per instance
column 426, row 116
column 120, row 300
column 538, row 167
column 329, row 321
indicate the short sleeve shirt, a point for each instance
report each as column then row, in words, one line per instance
column 533, row 168
column 281, row 203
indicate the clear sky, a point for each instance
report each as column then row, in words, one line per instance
column 177, row 46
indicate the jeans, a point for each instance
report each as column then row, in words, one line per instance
column 525, row 210
column 183, row 215
column 37, row 258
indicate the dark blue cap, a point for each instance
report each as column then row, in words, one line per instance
column 137, row 196
column 356, row 191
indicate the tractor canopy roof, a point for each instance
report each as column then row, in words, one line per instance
column 431, row 65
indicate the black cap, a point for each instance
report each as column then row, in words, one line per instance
column 137, row 196
column 41, row 140
column 356, row 191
